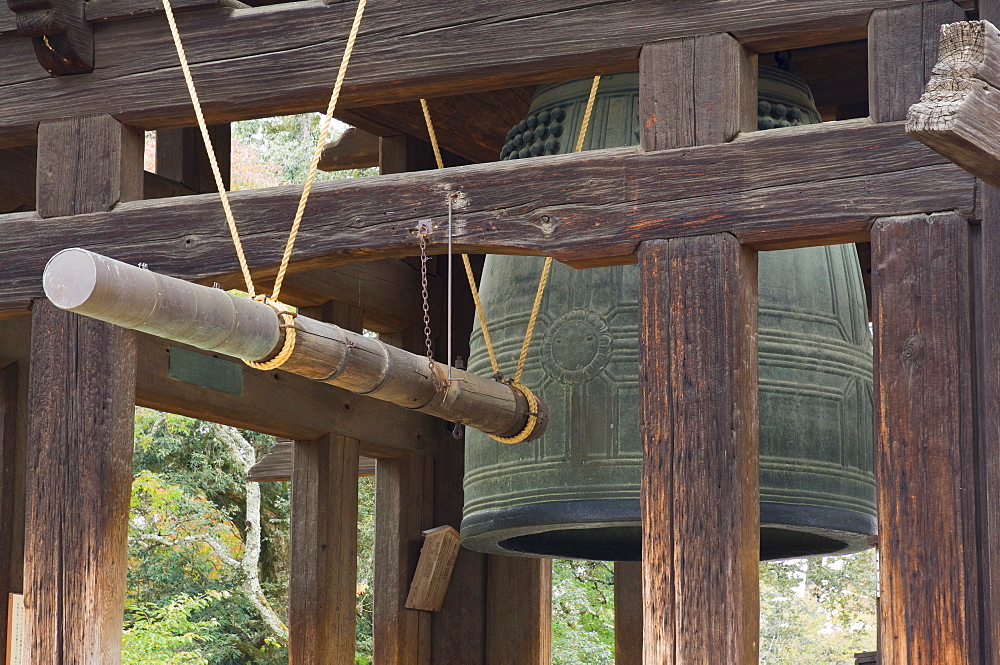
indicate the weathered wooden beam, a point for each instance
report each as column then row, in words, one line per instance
column 959, row 112
column 782, row 188
column 925, row 442
column 117, row 10
column 902, row 49
column 698, row 418
column 472, row 126
column 323, row 558
column 276, row 465
column 388, row 291
column 354, row 149
column 215, row 320
column 300, row 408
column 138, row 80
column 62, row 38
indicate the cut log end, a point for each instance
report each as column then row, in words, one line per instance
column 70, row 278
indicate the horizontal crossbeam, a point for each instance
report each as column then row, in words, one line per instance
column 783, row 188
column 281, row 59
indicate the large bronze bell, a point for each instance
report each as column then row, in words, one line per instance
column 575, row 491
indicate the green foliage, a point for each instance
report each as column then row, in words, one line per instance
column 583, row 614
column 187, row 489
column 168, row 635
column 366, row 572
column 278, row 151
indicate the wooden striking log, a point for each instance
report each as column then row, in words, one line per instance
column 959, row 112
column 214, row 320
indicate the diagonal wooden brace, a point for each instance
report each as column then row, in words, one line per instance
column 212, row 319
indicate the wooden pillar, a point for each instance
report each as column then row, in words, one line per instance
column 323, row 559
column 925, row 442
column 698, row 418
column 181, row 156
column 519, row 612
column 628, row 613
column 902, row 50
column 986, row 288
column 698, row 381
column 324, row 551
column 403, row 488
column 82, row 388
column 15, row 343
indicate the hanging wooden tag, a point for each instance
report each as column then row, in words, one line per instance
column 15, row 629
column 434, row 568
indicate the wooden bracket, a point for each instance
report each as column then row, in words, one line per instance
column 63, row 40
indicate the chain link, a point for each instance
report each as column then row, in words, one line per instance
column 439, row 384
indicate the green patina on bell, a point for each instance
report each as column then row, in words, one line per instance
column 575, row 491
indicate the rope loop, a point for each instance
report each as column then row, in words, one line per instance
column 287, row 317
column 532, row 424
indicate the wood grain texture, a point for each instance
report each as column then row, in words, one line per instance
column 78, row 487
column 323, row 559
column 902, row 49
column 15, row 351
column 284, row 405
column 696, row 91
column 11, row 485
column 59, row 32
column 138, row 81
column 519, row 611
column 698, row 419
column 354, row 149
column 69, row 152
column 181, row 157
column 473, row 126
column 784, row 187
column 925, row 445
column 628, row 613
column 986, row 287
column 403, row 505
column 276, row 465
column 117, row 10
column 957, row 113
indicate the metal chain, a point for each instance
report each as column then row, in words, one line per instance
column 439, row 385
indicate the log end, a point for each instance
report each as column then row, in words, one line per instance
column 70, row 278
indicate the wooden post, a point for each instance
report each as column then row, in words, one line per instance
column 987, row 306
column 698, row 418
column 15, row 348
column 902, row 50
column 925, row 442
column 519, row 611
column 323, row 568
column 82, row 395
column 628, row 613
column 401, row 636
column 323, row 579
column 181, row 156
column 698, row 381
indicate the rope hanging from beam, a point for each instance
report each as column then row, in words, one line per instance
column 527, row 432
column 283, row 311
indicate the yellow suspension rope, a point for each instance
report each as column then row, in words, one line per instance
column 539, row 293
column 284, row 313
